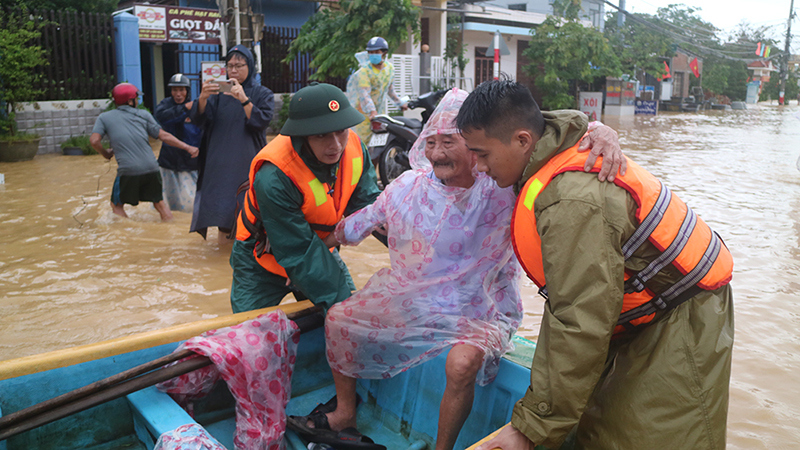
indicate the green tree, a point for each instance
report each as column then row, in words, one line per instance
column 565, row 53
column 687, row 29
column 333, row 36
column 567, row 9
column 454, row 50
column 715, row 75
column 771, row 90
column 727, row 74
column 89, row 6
column 18, row 60
column 638, row 47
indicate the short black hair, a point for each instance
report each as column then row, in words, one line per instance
column 500, row 107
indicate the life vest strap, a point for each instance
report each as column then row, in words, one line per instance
column 636, row 282
column 677, row 293
column 322, row 227
column 645, row 229
column 256, row 228
column 699, row 271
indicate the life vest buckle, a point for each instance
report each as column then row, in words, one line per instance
column 543, row 292
column 634, row 284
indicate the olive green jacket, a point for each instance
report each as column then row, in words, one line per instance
column 640, row 391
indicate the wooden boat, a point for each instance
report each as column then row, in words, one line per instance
column 400, row 413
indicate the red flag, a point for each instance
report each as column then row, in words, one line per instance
column 758, row 49
column 695, row 70
column 666, row 67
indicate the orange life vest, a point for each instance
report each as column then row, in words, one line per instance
column 323, row 207
column 668, row 223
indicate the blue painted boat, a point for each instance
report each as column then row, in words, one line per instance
column 400, row 413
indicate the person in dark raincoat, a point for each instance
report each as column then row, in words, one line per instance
column 235, row 125
column 178, row 168
column 598, row 376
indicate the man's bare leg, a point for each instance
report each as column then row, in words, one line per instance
column 119, row 210
column 345, row 414
column 461, row 368
column 163, row 209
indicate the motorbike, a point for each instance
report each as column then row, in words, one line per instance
column 392, row 137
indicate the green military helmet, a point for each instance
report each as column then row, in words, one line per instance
column 319, row 108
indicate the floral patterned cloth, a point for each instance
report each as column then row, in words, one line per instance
column 367, row 90
column 179, row 189
column 453, row 279
column 256, row 359
column 188, row 437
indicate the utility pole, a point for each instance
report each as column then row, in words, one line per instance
column 786, row 54
column 621, row 15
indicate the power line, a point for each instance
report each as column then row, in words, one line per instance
column 682, row 38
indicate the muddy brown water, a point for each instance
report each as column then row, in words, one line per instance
column 71, row 272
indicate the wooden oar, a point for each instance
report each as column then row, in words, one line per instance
column 123, row 384
column 76, row 394
column 106, row 395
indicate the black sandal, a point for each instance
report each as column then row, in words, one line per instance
column 349, row 439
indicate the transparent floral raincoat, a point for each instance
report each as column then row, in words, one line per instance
column 453, row 277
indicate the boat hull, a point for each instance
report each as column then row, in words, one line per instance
column 400, row 413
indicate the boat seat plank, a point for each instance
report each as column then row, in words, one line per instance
column 155, row 413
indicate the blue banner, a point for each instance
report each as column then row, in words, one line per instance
column 646, row 107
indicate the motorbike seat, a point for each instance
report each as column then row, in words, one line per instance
column 414, row 124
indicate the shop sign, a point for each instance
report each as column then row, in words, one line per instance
column 591, row 104
column 646, row 107
column 213, row 70
column 174, row 24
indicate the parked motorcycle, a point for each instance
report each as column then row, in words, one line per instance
column 392, row 137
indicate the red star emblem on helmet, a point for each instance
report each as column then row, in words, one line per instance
column 333, row 105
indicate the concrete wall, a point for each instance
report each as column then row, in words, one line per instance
column 56, row 121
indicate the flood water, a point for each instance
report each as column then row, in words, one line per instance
column 71, row 272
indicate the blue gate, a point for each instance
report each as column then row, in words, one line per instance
column 189, row 58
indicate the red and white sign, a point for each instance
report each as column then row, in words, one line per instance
column 177, row 24
column 591, row 104
column 213, row 70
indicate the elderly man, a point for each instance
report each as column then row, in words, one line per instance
column 452, row 285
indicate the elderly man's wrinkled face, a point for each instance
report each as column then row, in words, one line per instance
column 451, row 159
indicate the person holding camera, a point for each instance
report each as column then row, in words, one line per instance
column 235, row 125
